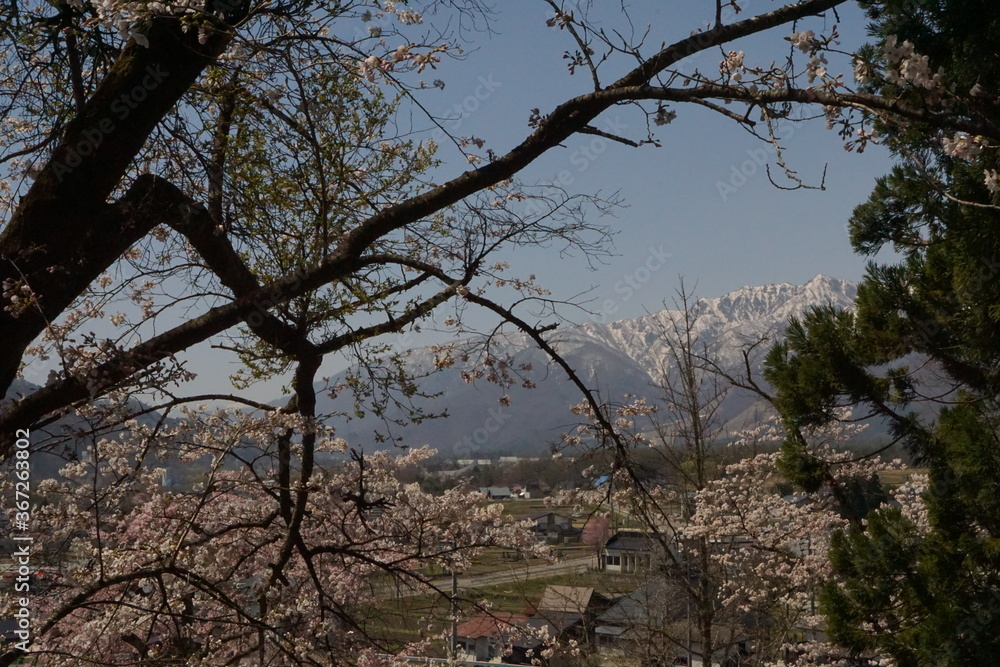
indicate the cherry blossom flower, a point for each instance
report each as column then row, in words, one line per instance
column 963, row 146
column 803, row 41
column 664, row 116
column 992, row 180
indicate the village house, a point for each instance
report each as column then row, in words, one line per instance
column 496, row 492
column 570, row 611
column 521, row 492
column 628, row 551
column 487, row 637
column 553, row 529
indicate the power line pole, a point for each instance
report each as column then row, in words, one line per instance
column 454, row 610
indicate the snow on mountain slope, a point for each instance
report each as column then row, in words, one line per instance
column 723, row 324
column 616, row 358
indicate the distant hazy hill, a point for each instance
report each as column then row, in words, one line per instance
column 616, row 358
column 57, row 443
column 43, row 464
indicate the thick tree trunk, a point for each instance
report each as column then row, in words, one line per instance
column 64, row 232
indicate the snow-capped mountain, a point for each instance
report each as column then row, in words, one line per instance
column 724, row 324
column 617, row 358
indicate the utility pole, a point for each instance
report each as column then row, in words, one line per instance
column 454, row 610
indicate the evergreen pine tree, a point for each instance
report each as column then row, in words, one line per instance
column 924, row 594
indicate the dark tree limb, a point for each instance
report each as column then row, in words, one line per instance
column 63, row 233
column 52, row 200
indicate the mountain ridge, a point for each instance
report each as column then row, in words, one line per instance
column 747, row 313
column 616, row 358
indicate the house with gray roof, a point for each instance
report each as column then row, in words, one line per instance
column 628, row 551
column 552, row 528
column 496, row 492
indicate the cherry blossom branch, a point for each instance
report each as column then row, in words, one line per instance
column 566, row 21
column 63, row 221
column 80, row 600
column 590, row 129
column 811, row 96
column 567, row 119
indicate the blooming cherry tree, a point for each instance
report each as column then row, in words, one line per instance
column 232, row 171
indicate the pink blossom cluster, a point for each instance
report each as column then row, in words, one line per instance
column 149, row 572
column 963, row 146
column 905, row 65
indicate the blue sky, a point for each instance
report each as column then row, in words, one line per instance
column 722, row 228
column 700, row 207
column 703, row 198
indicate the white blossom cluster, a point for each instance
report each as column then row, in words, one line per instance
column 909, row 496
column 904, row 65
column 130, row 18
column 18, row 295
column 807, row 42
column 991, row 178
column 963, row 146
column 216, row 547
column 733, row 66
column 804, row 41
